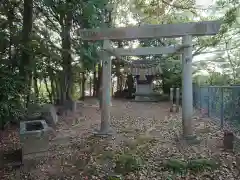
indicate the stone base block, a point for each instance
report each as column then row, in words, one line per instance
column 144, row 93
column 191, row 140
column 144, row 99
column 34, row 136
column 103, row 133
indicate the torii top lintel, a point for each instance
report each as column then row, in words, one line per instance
column 152, row 31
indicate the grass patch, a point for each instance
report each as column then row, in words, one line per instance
column 116, row 177
column 106, row 155
column 126, row 163
column 143, row 139
column 194, row 165
column 197, row 165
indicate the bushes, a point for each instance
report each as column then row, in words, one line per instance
column 11, row 106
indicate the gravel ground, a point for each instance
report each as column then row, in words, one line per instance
column 146, row 131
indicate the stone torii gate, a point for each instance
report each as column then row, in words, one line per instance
column 185, row 30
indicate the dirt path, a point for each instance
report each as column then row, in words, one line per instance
column 145, row 130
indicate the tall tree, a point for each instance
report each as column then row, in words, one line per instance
column 25, row 64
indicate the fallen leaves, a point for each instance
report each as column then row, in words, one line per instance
column 145, row 145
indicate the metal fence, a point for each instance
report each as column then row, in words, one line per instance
column 221, row 103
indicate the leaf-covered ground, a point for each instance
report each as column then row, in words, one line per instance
column 146, row 145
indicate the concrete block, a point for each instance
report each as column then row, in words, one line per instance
column 70, row 106
column 34, row 136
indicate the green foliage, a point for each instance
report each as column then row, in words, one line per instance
column 115, row 178
column 176, row 165
column 126, row 163
column 194, row 165
column 48, row 32
column 10, row 99
column 197, row 165
column 216, row 78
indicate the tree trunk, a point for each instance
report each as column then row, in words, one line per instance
column 25, row 69
column 90, row 86
column 53, row 89
column 129, row 83
column 83, row 86
column 118, row 73
column 121, row 82
column 94, row 82
column 35, row 85
column 29, row 85
column 58, row 89
column 48, row 90
column 25, row 64
column 66, row 24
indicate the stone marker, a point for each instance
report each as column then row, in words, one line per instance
column 228, row 140
column 49, row 114
column 34, row 136
column 70, row 105
column 33, row 112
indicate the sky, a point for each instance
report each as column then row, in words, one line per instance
column 203, row 4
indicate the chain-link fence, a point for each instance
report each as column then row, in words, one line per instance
column 221, row 103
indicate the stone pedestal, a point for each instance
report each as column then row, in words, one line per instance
column 34, row 136
column 143, row 92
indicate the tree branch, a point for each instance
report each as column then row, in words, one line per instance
column 48, row 18
column 180, row 7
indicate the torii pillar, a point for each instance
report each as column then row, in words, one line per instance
column 187, row 93
column 105, row 129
